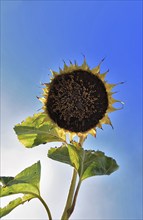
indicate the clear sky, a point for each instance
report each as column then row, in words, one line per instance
column 37, row 36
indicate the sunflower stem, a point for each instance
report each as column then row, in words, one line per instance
column 71, row 200
column 70, row 196
column 46, row 207
column 71, row 209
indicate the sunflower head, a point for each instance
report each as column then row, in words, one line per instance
column 78, row 99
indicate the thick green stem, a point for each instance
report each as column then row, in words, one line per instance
column 70, row 211
column 70, row 196
column 71, row 200
column 46, row 207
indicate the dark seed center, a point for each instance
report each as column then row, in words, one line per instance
column 77, row 100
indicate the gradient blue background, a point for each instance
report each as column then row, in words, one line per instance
column 37, row 36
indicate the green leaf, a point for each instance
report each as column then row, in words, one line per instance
column 95, row 163
column 74, row 156
column 60, row 154
column 13, row 204
column 87, row 162
column 38, row 130
column 29, row 175
column 26, row 182
column 24, row 188
column 4, row 180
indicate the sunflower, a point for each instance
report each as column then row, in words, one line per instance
column 78, row 99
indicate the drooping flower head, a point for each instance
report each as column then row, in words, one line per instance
column 78, row 99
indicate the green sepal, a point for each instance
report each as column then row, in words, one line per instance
column 38, row 130
column 86, row 162
column 26, row 182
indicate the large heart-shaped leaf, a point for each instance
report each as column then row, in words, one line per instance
column 87, row 162
column 26, row 182
column 38, row 130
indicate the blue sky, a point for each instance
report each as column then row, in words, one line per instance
column 35, row 37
